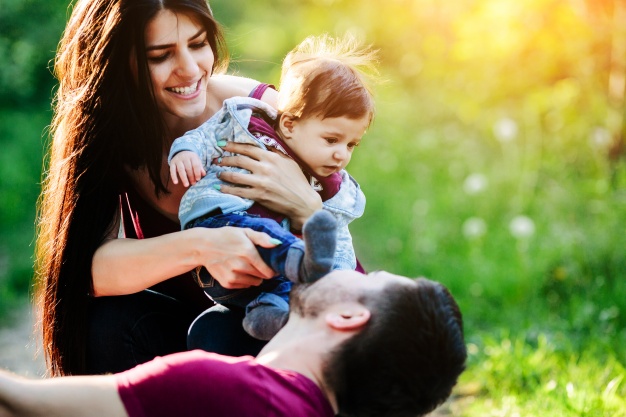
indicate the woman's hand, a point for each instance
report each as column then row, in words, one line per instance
column 126, row 266
column 233, row 260
column 276, row 181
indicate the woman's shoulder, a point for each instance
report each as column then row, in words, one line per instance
column 226, row 86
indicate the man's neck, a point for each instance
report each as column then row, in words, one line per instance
column 301, row 346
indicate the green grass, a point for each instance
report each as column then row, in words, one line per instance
column 543, row 374
column 21, row 139
column 544, row 308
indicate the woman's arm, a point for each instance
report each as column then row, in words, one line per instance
column 126, row 266
column 275, row 180
column 60, row 397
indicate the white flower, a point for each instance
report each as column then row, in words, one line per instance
column 609, row 313
column 522, row 227
column 474, row 228
column 475, row 183
column 421, row 208
column 600, row 138
column 505, row 129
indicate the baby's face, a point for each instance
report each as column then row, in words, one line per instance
column 326, row 145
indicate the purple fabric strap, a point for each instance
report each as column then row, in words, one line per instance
column 259, row 90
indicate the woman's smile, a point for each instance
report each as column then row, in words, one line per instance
column 181, row 61
column 189, row 91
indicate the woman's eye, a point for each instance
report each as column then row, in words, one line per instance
column 199, row 45
column 158, row 58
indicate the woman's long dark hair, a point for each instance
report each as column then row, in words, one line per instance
column 105, row 121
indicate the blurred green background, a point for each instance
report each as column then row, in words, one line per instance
column 496, row 164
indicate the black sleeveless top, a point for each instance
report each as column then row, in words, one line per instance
column 147, row 222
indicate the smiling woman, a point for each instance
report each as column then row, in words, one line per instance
column 181, row 62
column 133, row 75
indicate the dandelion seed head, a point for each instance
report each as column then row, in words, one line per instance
column 505, row 130
column 522, row 227
column 475, row 183
column 474, row 228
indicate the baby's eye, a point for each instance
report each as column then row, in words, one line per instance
column 353, row 145
column 331, row 140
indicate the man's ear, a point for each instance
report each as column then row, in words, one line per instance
column 285, row 124
column 351, row 317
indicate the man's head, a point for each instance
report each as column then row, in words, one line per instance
column 407, row 350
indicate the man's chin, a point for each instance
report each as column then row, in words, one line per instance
column 297, row 300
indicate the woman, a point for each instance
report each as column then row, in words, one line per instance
column 133, row 76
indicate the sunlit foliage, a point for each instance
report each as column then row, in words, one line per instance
column 496, row 164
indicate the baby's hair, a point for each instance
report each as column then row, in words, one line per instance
column 328, row 77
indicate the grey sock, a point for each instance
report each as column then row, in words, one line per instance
column 264, row 321
column 320, row 241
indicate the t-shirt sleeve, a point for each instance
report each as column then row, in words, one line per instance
column 184, row 384
column 198, row 384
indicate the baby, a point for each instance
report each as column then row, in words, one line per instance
column 324, row 109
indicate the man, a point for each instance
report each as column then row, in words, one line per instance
column 353, row 346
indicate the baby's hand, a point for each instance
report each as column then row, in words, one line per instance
column 187, row 166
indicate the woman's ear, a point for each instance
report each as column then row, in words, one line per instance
column 348, row 318
column 285, row 124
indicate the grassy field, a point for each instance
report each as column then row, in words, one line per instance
column 495, row 164
column 21, row 139
column 532, row 245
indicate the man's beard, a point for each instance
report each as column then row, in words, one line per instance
column 311, row 299
column 297, row 300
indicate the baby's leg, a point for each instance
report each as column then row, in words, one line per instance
column 320, row 240
column 265, row 321
column 300, row 261
column 268, row 313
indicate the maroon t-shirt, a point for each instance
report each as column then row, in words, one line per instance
column 198, row 384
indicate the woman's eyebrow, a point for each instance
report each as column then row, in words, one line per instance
column 169, row 45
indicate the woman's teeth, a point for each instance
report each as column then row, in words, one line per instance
column 185, row 90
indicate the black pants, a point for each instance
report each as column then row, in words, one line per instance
column 125, row 331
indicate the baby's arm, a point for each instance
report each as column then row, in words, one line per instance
column 348, row 204
column 187, row 166
column 345, row 257
column 202, row 143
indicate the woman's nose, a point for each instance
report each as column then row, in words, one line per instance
column 186, row 64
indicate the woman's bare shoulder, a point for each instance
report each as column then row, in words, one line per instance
column 227, row 86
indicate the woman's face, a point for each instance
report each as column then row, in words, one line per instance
column 180, row 60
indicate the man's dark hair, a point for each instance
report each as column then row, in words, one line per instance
column 407, row 358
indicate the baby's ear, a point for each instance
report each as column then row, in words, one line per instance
column 286, row 123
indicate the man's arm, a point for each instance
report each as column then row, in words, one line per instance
column 63, row 397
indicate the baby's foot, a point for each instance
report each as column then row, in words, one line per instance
column 264, row 322
column 320, row 241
